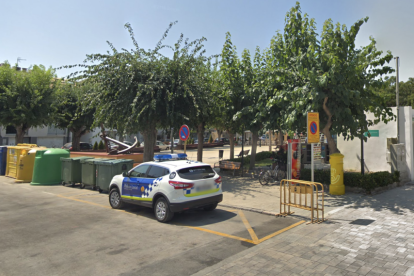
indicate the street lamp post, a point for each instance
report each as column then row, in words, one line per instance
column 397, row 99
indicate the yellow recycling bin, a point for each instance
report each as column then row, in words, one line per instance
column 337, row 186
column 26, row 164
column 13, row 159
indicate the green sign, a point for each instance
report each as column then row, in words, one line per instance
column 374, row 133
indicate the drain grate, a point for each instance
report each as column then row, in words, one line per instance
column 362, row 221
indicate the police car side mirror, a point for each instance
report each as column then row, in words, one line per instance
column 125, row 174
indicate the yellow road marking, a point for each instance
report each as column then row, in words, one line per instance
column 281, row 231
column 84, row 201
column 85, row 196
column 220, row 234
column 73, row 192
column 254, row 240
column 248, row 227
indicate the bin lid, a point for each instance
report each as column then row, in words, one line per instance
column 127, row 160
column 75, row 158
column 93, row 160
column 114, row 161
column 27, row 145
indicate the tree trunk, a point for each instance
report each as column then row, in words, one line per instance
column 331, row 142
column 219, row 133
column 280, row 137
column 255, row 138
column 76, row 137
column 270, row 140
column 20, row 131
column 149, row 142
column 231, row 138
column 200, row 136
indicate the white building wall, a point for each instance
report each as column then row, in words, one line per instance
column 375, row 149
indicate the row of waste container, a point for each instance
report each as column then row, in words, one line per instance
column 94, row 172
column 42, row 166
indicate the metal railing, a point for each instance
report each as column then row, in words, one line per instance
column 304, row 195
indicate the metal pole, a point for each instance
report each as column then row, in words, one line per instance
column 172, row 140
column 242, row 165
column 397, row 100
column 185, row 146
column 312, row 179
column 362, row 154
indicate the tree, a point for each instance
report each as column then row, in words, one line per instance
column 143, row 89
column 73, row 111
column 26, row 98
column 251, row 115
column 330, row 76
column 406, row 92
column 232, row 92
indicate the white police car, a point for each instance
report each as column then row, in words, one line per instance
column 169, row 184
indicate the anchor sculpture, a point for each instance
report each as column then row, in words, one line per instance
column 122, row 147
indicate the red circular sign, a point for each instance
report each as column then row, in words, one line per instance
column 313, row 127
column 184, row 133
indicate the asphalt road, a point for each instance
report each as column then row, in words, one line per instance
column 56, row 230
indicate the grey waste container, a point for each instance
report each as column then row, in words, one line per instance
column 106, row 170
column 89, row 172
column 72, row 170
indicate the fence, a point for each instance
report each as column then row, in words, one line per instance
column 298, row 194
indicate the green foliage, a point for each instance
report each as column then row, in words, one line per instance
column 138, row 144
column 210, row 139
column 328, row 70
column 406, row 92
column 95, row 145
column 367, row 181
column 101, row 145
column 144, row 89
column 73, row 110
column 26, row 98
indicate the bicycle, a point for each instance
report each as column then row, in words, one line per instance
column 273, row 175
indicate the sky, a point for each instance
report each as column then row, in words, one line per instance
column 57, row 33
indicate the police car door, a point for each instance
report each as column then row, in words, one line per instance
column 132, row 184
column 154, row 176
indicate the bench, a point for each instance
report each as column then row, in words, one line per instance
column 242, row 153
column 229, row 165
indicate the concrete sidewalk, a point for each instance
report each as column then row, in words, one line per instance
column 247, row 193
column 364, row 235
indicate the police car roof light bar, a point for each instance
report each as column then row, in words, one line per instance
column 169, row 157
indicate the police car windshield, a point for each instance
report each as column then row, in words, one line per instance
column 195, row 173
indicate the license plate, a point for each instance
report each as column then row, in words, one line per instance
column 203, row 187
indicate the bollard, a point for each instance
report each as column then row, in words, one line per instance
column 337, row 186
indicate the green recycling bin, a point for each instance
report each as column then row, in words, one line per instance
column 47, row 168
column 106, row 170
column 89, row 171
column 72, row 170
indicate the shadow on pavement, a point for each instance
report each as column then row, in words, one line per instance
column 399, row 201
column 196, row 217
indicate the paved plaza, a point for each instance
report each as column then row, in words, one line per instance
column 373, row 236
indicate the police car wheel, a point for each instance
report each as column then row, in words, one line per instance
column 115, row 199
column 210, row 207
column 162, row 210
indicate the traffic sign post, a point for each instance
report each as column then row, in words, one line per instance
column 313, row 135
column 184, row 133
column 313, row 127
